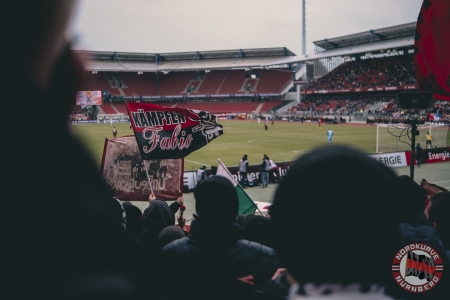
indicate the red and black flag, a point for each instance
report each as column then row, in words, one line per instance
column 420, row 266
column 432, row 46
column 163, row 132
column 125, row 173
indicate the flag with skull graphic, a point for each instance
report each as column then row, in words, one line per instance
column 165, row 132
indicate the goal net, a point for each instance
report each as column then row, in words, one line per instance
column 397, row 137
column 116, row 118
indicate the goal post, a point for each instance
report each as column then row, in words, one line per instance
column 396, row 137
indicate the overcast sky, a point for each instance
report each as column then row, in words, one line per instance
column 159, row 26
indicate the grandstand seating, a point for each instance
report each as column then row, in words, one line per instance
column 269, row 105
column 348, row 104
column 99, row 82
column 216, row 82
column 108, row 108
column 250, row 85
column 211, row 83
column 174, row 83
column 121, row 108
column 369, row 73
column 221, row 107
column 272, row 81
column 233, row 83
column 138, row 85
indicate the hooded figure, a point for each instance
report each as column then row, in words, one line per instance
column 214, row 255
column 155, row 218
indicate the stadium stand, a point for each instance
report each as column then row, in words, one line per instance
column 221, row 107
column 99, row 82
column 270, row 105
column 174, row 83
column 272, row 81
column 219, row 82
column 121, row 108
column 139, row 84
column 211, row 83
column 368, row 74
column 233, row 83
column 108, row 108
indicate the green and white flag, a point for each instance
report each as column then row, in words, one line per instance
column 246, row 204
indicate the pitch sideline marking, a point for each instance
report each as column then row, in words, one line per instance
column 196, row 162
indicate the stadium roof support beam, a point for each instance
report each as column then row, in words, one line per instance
column 240, row 55
column 330, row 43
column 197, row 57
column 117, row 58
column 298, row 66
column 372, row 34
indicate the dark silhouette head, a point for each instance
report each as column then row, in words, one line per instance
column 331, row 216
column 168, row 235
column 216, row 200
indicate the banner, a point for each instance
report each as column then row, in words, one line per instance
column 393, row 159
column 432, row 45
column 359, row 90
column 124, row 172
column 430, row 156
column 85, row 98
column 163, row 132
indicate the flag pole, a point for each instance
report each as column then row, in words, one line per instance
column 148, row 177
column 220, row 162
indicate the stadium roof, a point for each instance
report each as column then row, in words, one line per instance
column 371, row 36
column 378, row 40
column 399, row 37
column 182, row 61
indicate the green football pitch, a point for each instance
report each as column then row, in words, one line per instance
column 283, row 142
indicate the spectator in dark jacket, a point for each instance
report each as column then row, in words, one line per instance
column 332, row 222
column 418, row 155
column 258, row 229
column 214, row 261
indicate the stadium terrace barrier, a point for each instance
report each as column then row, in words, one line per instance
column 392, row 159
column 430, row 156
column 253, row 174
